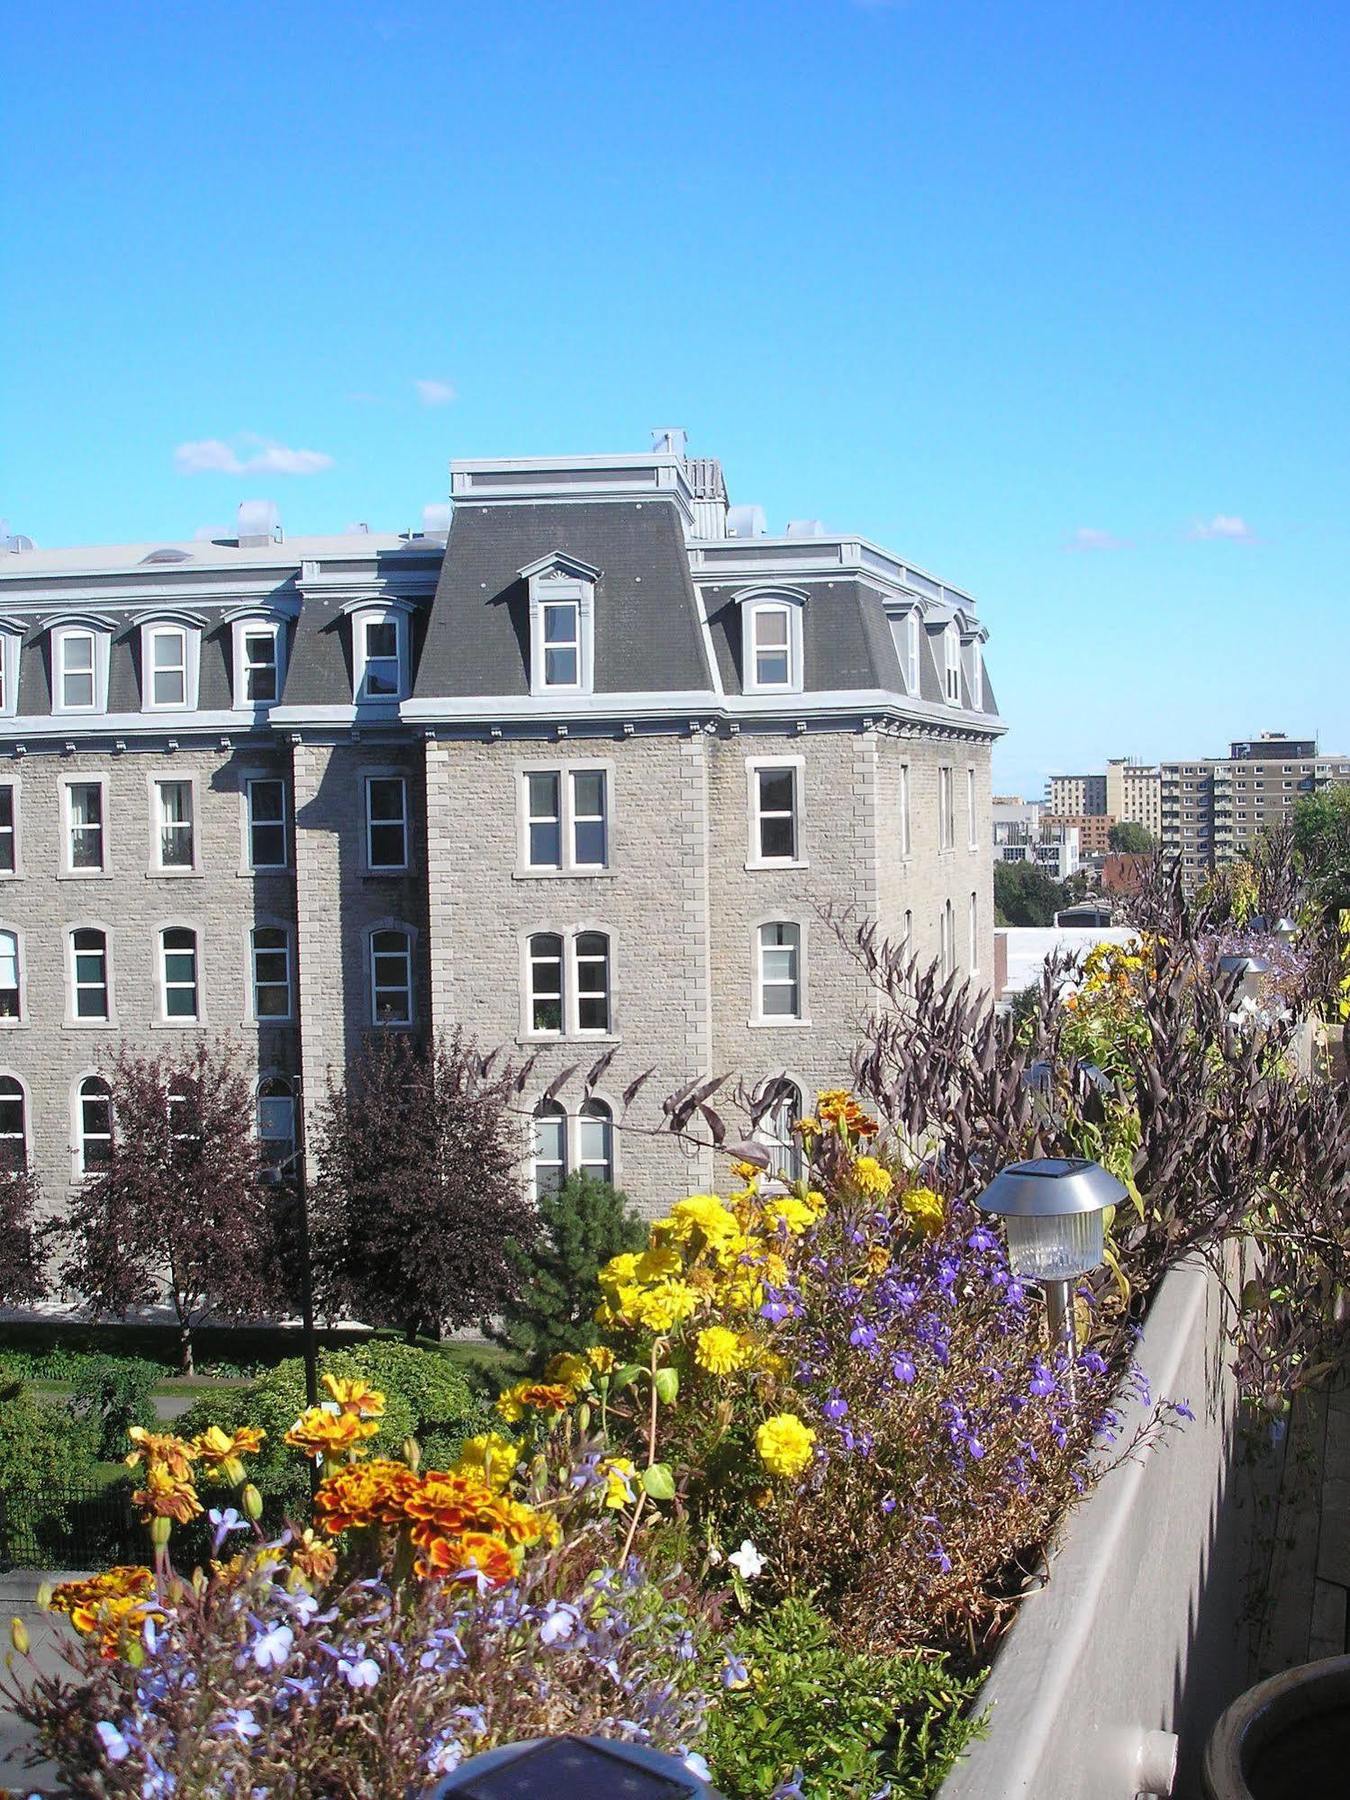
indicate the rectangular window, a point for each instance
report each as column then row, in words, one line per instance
column 95, row 1125
column 4, row 673
column 906, row 841
column 267, row 824
column 271, row 946
column 9, row 975
column 595, row 1141
column 772, row 650
column 168, row 668
column 260, row 666
column 386, row 822
column 381, row 679
column 391, row 977
column 276, row 1125
column 173, row 805
column 545, row 820
column 179, row 953
column 89, row 951
column 912, row 653
column 76, row 673
column 84, row 825
column 974, row 932
column 972, row 816
column 779, row 972
column 946, row 809
column 590, row 849
column 952, row 642
column 8, row 855
column 774, row 792
column 562, row 644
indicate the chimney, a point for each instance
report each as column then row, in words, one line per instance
column 259, row 524
column 669, row 440
column 746, row 522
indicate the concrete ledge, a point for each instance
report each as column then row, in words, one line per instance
column 1139, row 1629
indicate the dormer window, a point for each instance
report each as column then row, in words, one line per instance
column 912, row 653
column 771, row 645
column 562, row 624
column 259, row 661
column 79, row 652
column 951, row 646
column 975, row 674
column 379, row 653
column 169, row 658
column 10, row 641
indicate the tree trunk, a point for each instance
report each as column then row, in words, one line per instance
column 185, row 1349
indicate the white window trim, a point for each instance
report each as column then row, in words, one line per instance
column 369, row 867
column 252, row 1016
column 947, row 939
column 153, row 865
column 26, row 1100
column 66, row 871
column 548, row 588
column 246, row 863
column 266, row 1077
column 256, row 626
column 78, row 1173
column 972, row 812
column 72, row 1021
column 571, row 1000
column 571, row 1134
column 753, row 766
column 11, row 664
column 378, row 614
column 751, row 608
column 974, row 929
column 191, row 638
column 21, row 1022
column 905, row 797
column 565, row 771
column 946, row 798
column 777, row 1021
column 369, row 935
column 913, row 665
column 13, row 782
column 951, row 665
column 61, row 634
column 974, row 669
column 179, row 1022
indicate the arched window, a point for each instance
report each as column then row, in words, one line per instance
column 951, row 642
column 779, row 975
column 13, row 1137
column 595, row 1141
column 9, row 975
column 947, row 937
column 276, row 1122
column 592, row 976
column 95, row 1125
column 178, row 954
column 775, row 1132
column 546, row 982
column 550, row 1148
column 89, row 954
column 391, row 977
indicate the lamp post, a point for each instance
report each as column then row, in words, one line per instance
column 587, row 1768
column 1285, row 930
column 276, row 1173
column 1052, row 1209
column 1250, row 968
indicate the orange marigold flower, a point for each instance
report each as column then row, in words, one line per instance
column 541, row 1396
column 361, row 1494
column 313, row 1559
column 355, row 1396
column 477, row 1550
column 319, row 1432
column 162, row 1448
column 166, row 1496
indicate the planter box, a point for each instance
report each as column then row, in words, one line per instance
column 1139, row 1629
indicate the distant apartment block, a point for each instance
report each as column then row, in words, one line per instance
column 1093, row 830
column 1021, row 834
column 1075, row 795
column 1213, row 810
column 1134, row 795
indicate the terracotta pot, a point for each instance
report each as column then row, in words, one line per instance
column 1286, row 1739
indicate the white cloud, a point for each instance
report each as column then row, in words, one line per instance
column 1224, row 525
column 434, row 393
column 214, row 456
column 1088, row 537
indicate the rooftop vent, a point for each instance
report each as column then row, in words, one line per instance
column 168, row 555
column 746, row 522
column 259, row 523
column 14, row 541
column 669, row 440
column 806, row 527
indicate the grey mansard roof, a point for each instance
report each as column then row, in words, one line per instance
column 647, row 633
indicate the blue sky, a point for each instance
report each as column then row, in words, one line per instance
column 1050, row 297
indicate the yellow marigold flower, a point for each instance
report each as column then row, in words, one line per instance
column 619, row 1270
column 491, row 1457
column 718, row 1350
column 790, row 1212
column 221, row 1453
column 784, row 1445
column 355, row 1396
column 661, row 1308
column 321, row 1432
column 602, row 1358
column 166, row 1496
column 808, row 1127
column 362, row 1494
column 871, row 1178
column 619, row 1474
column 170, row 1452
column 537, row 1396
column 703, row 1213
column 927, row 1209
column 878, row 1258
column 569, row 1369
column 659, row 1265
column 749, row 1173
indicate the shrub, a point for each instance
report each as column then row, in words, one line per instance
column 809, row 1717
column 581, row 1226
column 41, row 1444
column 113, row 1392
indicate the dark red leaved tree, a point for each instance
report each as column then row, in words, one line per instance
column 418, row 1188
column 23, row 1241
column 179, row 1214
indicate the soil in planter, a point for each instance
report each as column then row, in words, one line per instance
column 1309, row 1759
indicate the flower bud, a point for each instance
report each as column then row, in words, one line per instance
column 251, row 1501
column 583, row 1417
column 161, row 1527
column 233, row 1470
column 412, row 1453
column 44, row 1595
column 18, row 1636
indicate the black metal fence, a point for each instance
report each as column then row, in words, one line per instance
column 96, row 1528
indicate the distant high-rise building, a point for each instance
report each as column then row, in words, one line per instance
column 1214, row 809
column 1134, row 794
column 1076, row 794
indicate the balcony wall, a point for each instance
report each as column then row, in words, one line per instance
column 1139, row 1629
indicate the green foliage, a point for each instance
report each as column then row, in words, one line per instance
column 41, row 1443
column 581, row 1226
column 1322, row 844
column 842, row 1722
column 426, row 1397
column 113, row 1392
column 1130, row 838
column 1026, row 895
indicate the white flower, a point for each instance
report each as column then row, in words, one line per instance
column 747, row 1561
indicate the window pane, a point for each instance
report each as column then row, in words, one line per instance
column 382, row 639
column 592, row 959
column 590, row 843
column 560, row 668
column 386, row 798
column 776, row 788
column 546, row 982
column 771, row 668
column 267, row 828
column 588, row 792
column 777, row 838
column 595, row 1141
column 771, row 627
column 550, row 1150
column 7, row 830
column 560, row 624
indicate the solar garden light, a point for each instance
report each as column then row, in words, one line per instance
column 578, row 1768
column 1285, row 930
column 1052, row 1209
column 1251, row 968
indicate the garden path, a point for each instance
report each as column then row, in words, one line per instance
column 18, row 1599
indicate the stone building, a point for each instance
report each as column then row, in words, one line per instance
column 583, row 775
